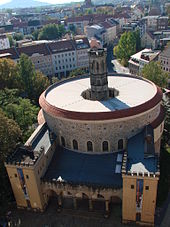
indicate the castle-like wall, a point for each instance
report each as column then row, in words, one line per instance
column 98, row 131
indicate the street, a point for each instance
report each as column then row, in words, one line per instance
column 113, row 65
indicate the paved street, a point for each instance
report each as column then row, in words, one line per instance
column 119, row 68
column 67, row 218
column 113, row 65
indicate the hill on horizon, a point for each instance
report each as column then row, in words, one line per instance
column 23, row 4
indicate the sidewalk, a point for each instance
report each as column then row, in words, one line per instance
column 119, row 68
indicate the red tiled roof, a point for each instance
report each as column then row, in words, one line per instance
column 54, row 21
column 30, row 50
column 95, row 17
column 61, row 46
column 121, row 15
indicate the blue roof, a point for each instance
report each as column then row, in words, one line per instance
column 89, row 169
column 137, row 156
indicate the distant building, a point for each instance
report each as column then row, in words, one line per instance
column 156, row 23
column 54, row 58
column 4, row 42
column 148, row 40
column 155, row 39
column 81, row 22
column 105, row 31
column 164, row 59
column 138, row 60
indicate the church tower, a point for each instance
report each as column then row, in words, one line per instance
column 98, row 74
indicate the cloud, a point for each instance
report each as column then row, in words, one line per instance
column 4, row 1
column 59, row 1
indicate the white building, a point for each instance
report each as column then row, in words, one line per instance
column 140, row 59
column 4, row 42
column 82, row 47
column 54, row 58
column 63, row 55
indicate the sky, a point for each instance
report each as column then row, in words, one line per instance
column 49, row 1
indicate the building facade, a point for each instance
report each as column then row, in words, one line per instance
column 62, row 158
column 164, row 59
column 56, row 58
column 140, row 59
column 4, row 42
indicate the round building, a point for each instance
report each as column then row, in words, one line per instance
column 99, row 113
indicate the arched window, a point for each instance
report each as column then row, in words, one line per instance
column 63, row 143
column 89, row 146
column 75, row 145
column 103, row 65
column 105, row 146
column 93, row 65
column 97, row 66
column 120, row 144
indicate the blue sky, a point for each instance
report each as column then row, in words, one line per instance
column 50, row 1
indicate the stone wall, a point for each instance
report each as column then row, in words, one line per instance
column 99, row 131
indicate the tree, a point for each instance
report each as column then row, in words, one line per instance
column 126, row 47
column 153, row 72
column 35, row 34
column 21, row 110
column 50, row 32
column 76, row 72
column 10, row 135
column 72, row 28
column 27, row 74
column 8, row 74
column 40, row 83
column 138, row 40
column 33, row 82
column 12, row 42
column 128, row 44
column 18, row 36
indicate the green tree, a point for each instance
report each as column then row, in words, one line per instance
column 126, row 47
column 153, row 72
column 21, row 110
column 18, row 36
column 72, row 28
column 35, row 34
column 138, row 40
column 10, row 136
column 27, row 74
column 8, row 74
column 76, row 72
column 49, row 32
column 12, row 42
column 61, row 30
column 33, row 82
column 40, row 83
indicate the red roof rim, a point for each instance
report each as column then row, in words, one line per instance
column 97, row 116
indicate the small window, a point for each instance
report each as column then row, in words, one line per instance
column 27, row 176
column 75, row 145
column 120, row 144
column 15, row 175
column 132, row 186
column 89, row 146
column 146, row 187
column 63, row 141
column 105, row 146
